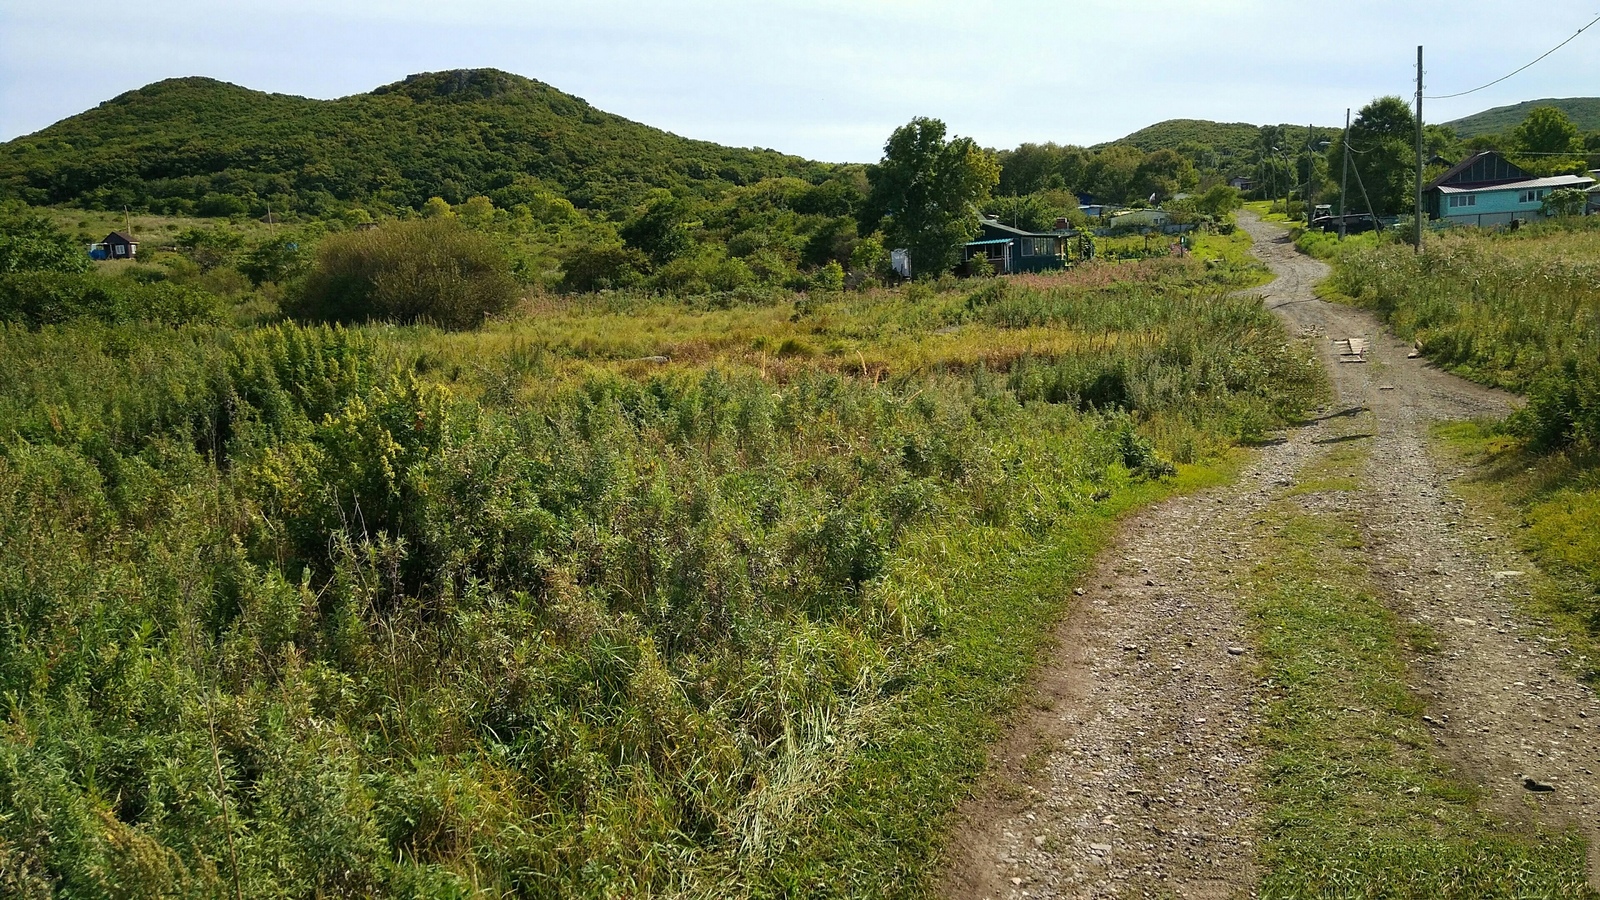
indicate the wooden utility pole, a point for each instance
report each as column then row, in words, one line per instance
column 1417, row 230
column 1344, row 181
column 1311, row 169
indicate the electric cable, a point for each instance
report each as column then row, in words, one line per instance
column 1491, row 84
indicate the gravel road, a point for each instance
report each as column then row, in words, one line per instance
column 1130, row 772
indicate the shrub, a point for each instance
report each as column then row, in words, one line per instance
column 36, row 299
column 428, row 270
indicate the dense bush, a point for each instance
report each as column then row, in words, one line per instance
column 324, row 611
column 49, row 298
column 30, row 243
column 428, row 270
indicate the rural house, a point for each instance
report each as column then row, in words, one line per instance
column 117, row 245
column 1012, row 250
column 1487, row 189
column 1242, row 184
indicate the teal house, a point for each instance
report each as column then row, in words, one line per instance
column 1012, row 250
column 1487, row 189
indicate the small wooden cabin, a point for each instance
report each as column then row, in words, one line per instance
column 119, row 245
column 1012, row 250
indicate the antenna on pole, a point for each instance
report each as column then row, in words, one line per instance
column 1417, row 212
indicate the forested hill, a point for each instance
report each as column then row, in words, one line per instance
column 1222, row 146
column 1583, row 111
column 200, row 145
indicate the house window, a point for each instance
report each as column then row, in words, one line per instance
column 1532, row 196
column 121, row 250
column 1038, row 246
column 1459, row 200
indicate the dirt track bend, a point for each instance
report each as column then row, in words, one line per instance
column 1130, row 773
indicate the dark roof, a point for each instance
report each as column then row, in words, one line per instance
column 1473, row 169
column 122, row 236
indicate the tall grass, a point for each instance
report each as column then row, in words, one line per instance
column 1518, row 310
column 303, row 612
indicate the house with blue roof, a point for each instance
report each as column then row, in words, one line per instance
column 1487, row 189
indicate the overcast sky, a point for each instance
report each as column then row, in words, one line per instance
column 826, row 79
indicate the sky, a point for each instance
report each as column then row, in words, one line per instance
column 826, row 79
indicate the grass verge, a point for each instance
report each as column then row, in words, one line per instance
column 1357, row 806
column 1554, row 499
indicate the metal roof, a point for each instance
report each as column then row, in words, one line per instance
column 1554, row 181
column 981, row 243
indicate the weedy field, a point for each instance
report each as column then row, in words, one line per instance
column 617, row 596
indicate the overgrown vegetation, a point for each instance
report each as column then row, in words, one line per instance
column 1519, row 310
column 297, row 611
column 432, row 270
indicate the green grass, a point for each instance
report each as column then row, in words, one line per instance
column 1357, row 806
column 1554, row 501
column 1518, row 310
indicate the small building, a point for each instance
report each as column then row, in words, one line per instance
column 1098, row 210
column 1012, row 250
column 1242, row 184
column 117, row 245
column 1487, row 189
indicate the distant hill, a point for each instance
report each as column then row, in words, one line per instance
column 1227, row 142
column 1584, row 112
column 196, row 144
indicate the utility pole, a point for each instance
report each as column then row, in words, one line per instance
column 1417, row 232
column 1311, row 169
column 1344, row 181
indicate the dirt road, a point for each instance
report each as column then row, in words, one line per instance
column 1131, row 773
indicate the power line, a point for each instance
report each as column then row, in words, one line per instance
column 1523, row 69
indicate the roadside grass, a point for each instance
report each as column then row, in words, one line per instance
column 1550, row 504
column 1264, row 209
column 900, row 790
column 1517, row 310
column 1357, row 806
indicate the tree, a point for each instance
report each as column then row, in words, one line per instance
column 1383, row 156
column 926, row 192
column 1546, row 130
column 425, row 270
column 210, row 247
column 277, row 259
column 31, row 243
column 437, row 208
column 1111, row 174
column 1164, row 173
column 661, row 230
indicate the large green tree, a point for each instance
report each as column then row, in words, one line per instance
column 926, row 192
column 1382, row 157
column 1546, row 130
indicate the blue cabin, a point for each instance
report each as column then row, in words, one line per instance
column 1012, row 250
column 1488, row 189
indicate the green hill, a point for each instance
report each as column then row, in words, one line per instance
column 1584, row 112
column 1224, row 142
column 200, row 145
